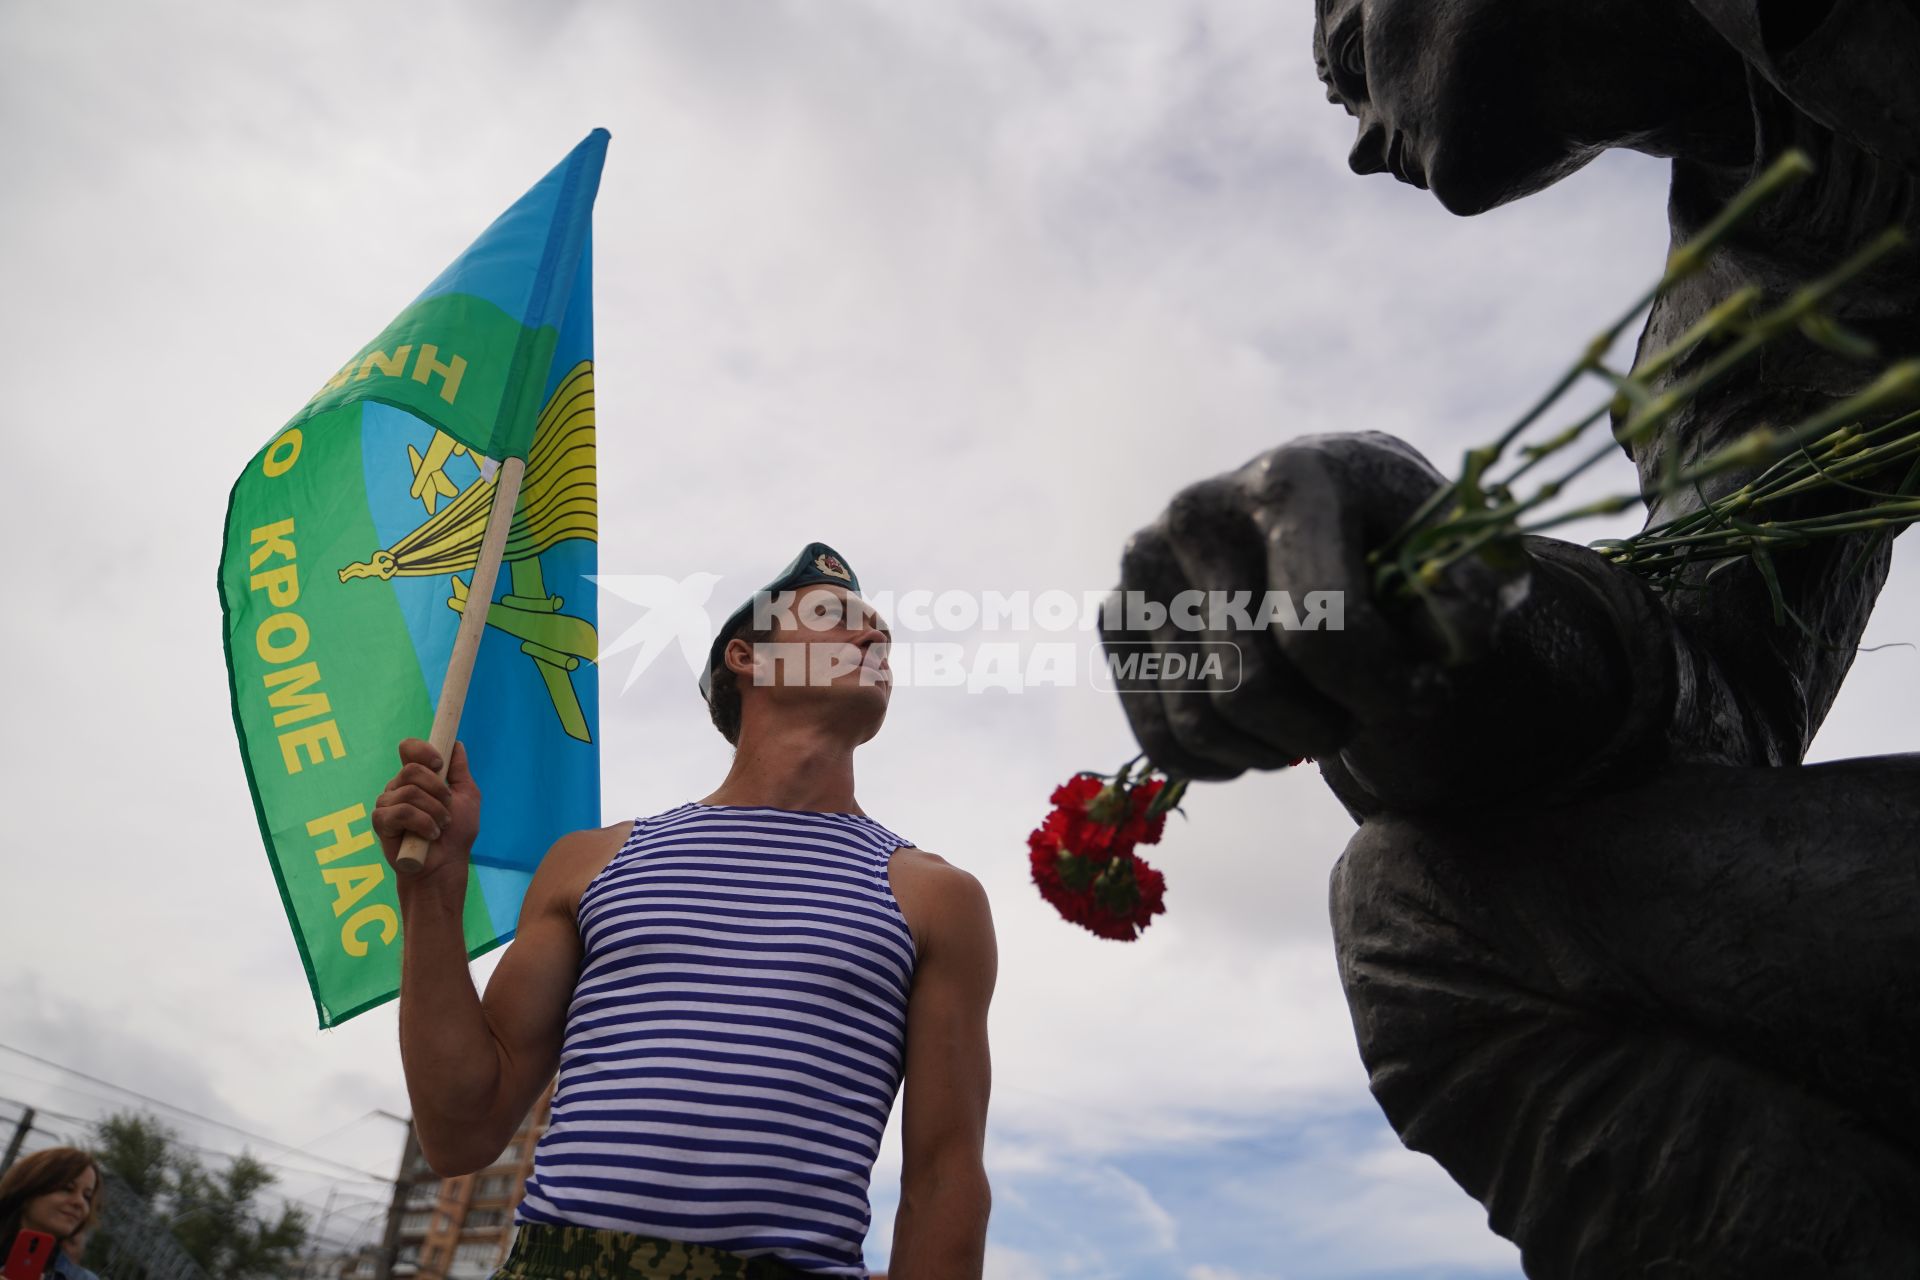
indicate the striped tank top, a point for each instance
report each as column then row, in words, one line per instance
column 736, row 1038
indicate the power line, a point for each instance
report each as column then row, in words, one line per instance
column 175, row 1107
column 60, row 1136
column 328, row 1179
column 78, row 1092
column 177, row 1140
column 362, row 1118
column 45, row 1083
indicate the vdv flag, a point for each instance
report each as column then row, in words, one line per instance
column 350, row 544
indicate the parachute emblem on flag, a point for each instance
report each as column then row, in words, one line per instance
column 557, row 502
column 430, row 483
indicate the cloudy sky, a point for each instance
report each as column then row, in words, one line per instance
column 965, row 289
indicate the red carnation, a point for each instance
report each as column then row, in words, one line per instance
column 1076, row 791
column 1082, row 853
column 1114, row 897
column 1103, row 818
column 1127, row 895
column 1083, row 859
column 1142, row 827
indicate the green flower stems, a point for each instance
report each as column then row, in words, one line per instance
column 1480, row 515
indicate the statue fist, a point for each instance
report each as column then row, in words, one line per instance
column 1323, row 670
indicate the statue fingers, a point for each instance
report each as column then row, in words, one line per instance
column 1315, row 532
column 1147, row 710
column 1248, row 682
column 1157, row 668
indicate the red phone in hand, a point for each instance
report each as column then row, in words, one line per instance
column 32, row 1250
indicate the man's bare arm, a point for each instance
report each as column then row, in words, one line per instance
column 941, row 1228
column 474, row 1067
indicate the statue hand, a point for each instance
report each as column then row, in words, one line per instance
column 1301, row 519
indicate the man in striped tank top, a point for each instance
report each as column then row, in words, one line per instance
column 733, row 991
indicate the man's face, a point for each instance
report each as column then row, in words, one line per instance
column 1473, row 99
column 828, row 642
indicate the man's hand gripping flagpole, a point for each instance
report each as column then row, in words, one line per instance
column 466, row 642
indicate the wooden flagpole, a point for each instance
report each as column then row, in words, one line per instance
column 466, row 642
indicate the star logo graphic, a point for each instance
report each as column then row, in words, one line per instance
column 671, row 610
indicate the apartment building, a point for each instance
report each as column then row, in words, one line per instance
column 459, row 1228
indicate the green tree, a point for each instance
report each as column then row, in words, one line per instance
column 215, row 1213
column 138, row 1148
column 217, row 1221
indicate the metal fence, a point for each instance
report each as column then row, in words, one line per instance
column 132, row 1243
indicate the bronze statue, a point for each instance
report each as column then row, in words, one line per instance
column 1643, row 983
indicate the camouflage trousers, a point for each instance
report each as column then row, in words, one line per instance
column 542, row 1252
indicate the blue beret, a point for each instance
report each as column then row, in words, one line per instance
column 816, row 563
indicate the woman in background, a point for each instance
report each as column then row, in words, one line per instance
column 56, row 1191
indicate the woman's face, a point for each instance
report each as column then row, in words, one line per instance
column 64, row 1210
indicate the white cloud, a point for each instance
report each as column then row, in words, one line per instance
column 1381, row 1207
column 1003, row 1263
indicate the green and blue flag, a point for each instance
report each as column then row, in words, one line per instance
column 350, row 543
